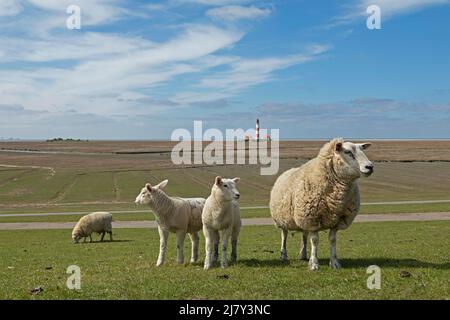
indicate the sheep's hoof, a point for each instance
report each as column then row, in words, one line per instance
column 284, row 257
column 303, row 257
column 206, row 267
column 313, row 266
column 334, row 264
column 159, row 264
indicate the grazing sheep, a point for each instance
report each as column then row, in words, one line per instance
column 175, row 215
column 221, row 214
column 320, row 195
column 99, row 222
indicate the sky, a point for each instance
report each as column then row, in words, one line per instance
column 141, row 69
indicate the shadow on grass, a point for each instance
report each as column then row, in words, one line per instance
column 264, row 263
column 351, row 263
column 389, row 262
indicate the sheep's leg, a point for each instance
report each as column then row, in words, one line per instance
column 163, row 236
column 304, row 246
column 225, row 238
column 181, row 235
column 90, row 238
column 103, row 235
column 334, row 262
column 209, row 244
column 314, row 260
column 194, row 250
column 284, row 235
column 110, row 236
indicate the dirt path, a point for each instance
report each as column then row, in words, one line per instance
column 431, row 216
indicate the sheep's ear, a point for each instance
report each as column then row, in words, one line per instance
column 236, row 180
column 162, row 184
column 218, row 180
column 366, row 145
column 149, row 187
column 338, row 146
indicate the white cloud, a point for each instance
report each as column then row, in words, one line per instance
column 235, row 12
column 10, row 7
column 246, row 73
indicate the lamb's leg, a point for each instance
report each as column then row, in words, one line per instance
column 216, row 249
column 334, row 262
column 215, row 240
column 225, row 238
column 234, row 240
column 304, row 246
column 103, row 235
column 181, row 235
column 284, row 235
column 314, row 260
column 194, row 250
column 163, row 236
column 209, row 244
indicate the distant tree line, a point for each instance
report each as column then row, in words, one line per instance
column 66, row 140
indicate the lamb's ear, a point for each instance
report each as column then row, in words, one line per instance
column 218, row 180
column 162, row 184
column 149, row 187
column 366, row 145
column 236, row 180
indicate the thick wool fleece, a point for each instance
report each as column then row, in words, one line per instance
column 316, row 196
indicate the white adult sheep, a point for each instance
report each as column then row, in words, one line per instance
column 221, row 214
column 99, row 222
column 322, row 194
column 173, row 214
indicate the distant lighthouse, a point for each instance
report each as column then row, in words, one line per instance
column 257, row 129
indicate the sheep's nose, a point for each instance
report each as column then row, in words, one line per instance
column 369, row 167
column 237, row 196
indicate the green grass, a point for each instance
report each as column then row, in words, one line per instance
column 125, row 268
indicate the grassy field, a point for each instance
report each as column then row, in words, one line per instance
column 69, row 190
column 124, row 269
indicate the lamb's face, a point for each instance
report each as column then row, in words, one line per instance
column 354, row 160
column 225, row 189
column 231, row 185
column 147, row 193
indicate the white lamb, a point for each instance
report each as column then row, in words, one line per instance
column 322, row 194
column 99, row 222
column 221, row 214
column 176, row 215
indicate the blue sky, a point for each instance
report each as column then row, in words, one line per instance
column 140, row 69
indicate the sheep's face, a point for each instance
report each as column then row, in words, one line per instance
column 353, row 162
column 225, row 189
column 147, row 193
column 76, row 237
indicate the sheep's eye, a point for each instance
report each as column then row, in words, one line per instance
column 225, row 186
column 349, row 153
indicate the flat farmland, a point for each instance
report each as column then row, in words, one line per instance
column 107, row 175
